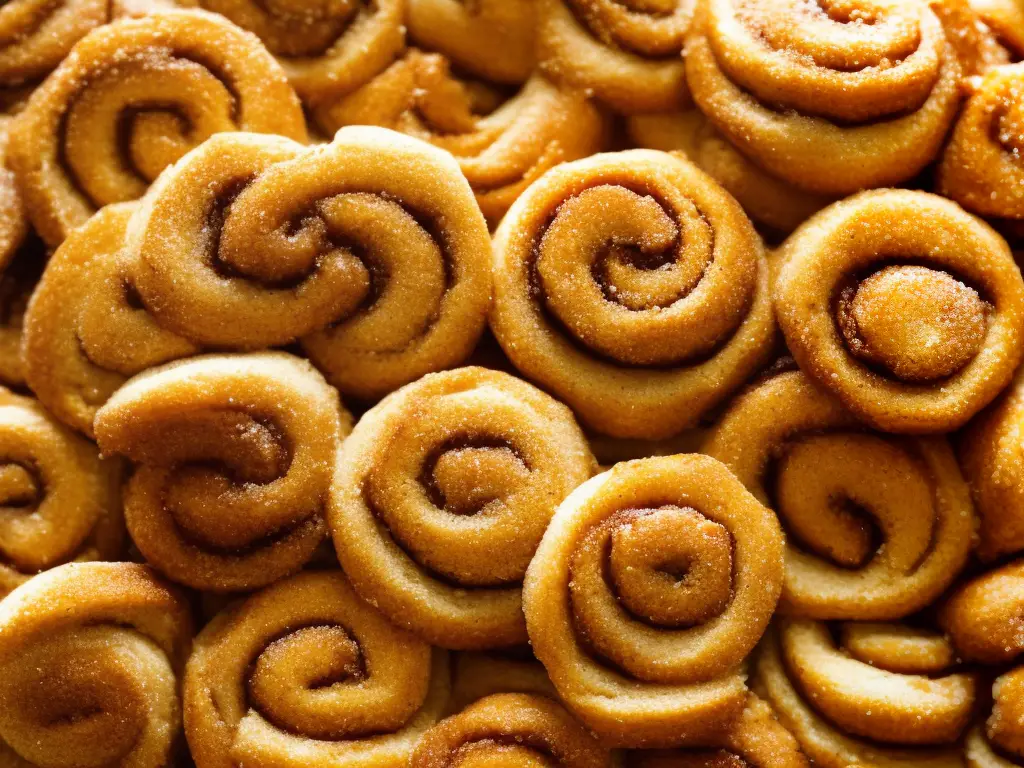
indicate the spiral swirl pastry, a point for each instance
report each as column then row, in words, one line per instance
column 85, row 329
column 304, row 673
column 90, row 658
column 130, row 100
column 755, row 740
column 831, row 96
column 441, row 495
column 999, row 742
column 58, row 500
column 13, row 221
column 904, row 306
column 882, row 695
column 650, row 587
column 1006, row 19
column 478, row 675
column 771, row 202
column 234, row 456
column 879, row 526
column 502, row 145
column 983, row 617
column 492, row 39
column 624, row 52
column 372, row 248
column 35, row 35
column 634, row 288
column 17, row 283
column 326, row 47
column 512, row 730
column 981, row 167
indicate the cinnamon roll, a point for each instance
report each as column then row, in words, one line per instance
column 650, row 587
column 634, row 288
column 905, row 307
column 1006, row 18
column 60, row 501
column 624, row 52
column 17, row 282
column 832, row 97
column 983, row 616
column 492, row 39
column 13, row 221
column 510, row 729
column 304, row 673
column 85, row 329
column 370, row 248
column 441, row 495
column 879, row 526
column 90, row 659
column 880, row 695
column 756, row 740
column 36, row 35
column 130, row 100
column 502, row 143
column 999, row 742
column 233, row 455
column 981, row 166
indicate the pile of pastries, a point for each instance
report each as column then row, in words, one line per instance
column 512, row 383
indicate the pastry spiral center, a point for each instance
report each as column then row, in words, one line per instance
column 918, row 324
column 468, row 479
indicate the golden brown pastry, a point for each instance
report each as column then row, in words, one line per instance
column 991, row 452
column 477, row 675
column 756, row 740
column 981, row 168
column 999, row 742
column 327, row 47
column 13, row 221
column 441, row 495
column 1006, row 18
column 36, row 35
column 371, row 248
column 492, row 39
column 17, row 282
column 58, row 500
column 510, row 729
column 502, row 143
column 90, row 659
column 131, row 99
column 624, row 52
column 634, row 288
column 879, row 526
column 882, row 695
column 234, row 456
column 905, row 307
column 833, row 96
column 983, row 617
column 650, row 587
column 304, row 673
column 768, row 200
column 85, row 329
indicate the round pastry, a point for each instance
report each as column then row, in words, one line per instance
column 983, row 616
column 234, row 456
column 650, row 587
column 130, row 100
column 634, row 288
column 17, row 283
column 502, row 143
column 999, row 742
column 904, row 306
column 58, row 500
column 441, row 495
column 492, row 39
column 90, row 659
column 85, row 329
column 510, row 729
column 768, row 200
column 833, row 96
column 326, row 47
column 624, row 52
column 37, row 35
column 371, row 248
column 883, row 695
column 981, row 167
column 304, row 673
column 756, row 740
column 879, row 526
column 1006, row 18
column 13, row 221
